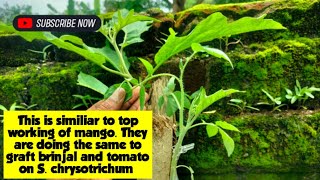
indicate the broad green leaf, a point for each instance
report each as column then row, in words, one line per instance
column 92, row 83
column 114, row 87
column 147, row 65
column 142, row 96
column 226, row 125
column 134, row 81
column 205, row 101
column 110, row 90
column 196, row 47
column 124, row 17
column 110, row 55
column 160, row 101
column 133, row 32
column 310, row 95
column 277, row 100
column 214, row 26
column 293, row 99
column 73, row 39
column 289, row 96
column 289, row 92
column 195, row 94
column 186, row 99
column 128, row 90
column 227, row 142
column 212, row 130
column 170, row 86
column 171, row 106
column 61, row 43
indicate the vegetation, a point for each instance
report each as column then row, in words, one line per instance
column 128, row 22
column 275, row 102
column 241, row 105
column 300, row 94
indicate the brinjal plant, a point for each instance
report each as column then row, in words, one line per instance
column 112, row 58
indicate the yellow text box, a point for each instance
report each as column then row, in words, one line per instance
column 77, row 144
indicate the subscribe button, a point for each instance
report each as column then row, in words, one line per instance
column 65, row 23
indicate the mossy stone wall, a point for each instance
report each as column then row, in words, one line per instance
column 271, row 60
column 284, row 142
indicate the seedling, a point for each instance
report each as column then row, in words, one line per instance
column 300, row 94
column 14, row 107
column 274, row 102
column 241, row 105
column 133, row 25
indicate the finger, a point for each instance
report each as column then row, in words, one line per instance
column 114, row 102
column 136, row 105
column 135, row 96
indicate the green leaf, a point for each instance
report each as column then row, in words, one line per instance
column 293, row 100
column 212, row 130
column 161, row 101
column 14, row 107
column 73, row 39
column 110, row 90
column 3, row 108
column 205, row 101
column 170, row 86
column 289, row 96
column 171, row 106
column 227, row 142
column 142, row 96
column 253, row 108
column 289, row 92
column 227, row 126
column 92, row 83
column 196, row 47
column 59, row 42
column 128, row 90
column 147, row 65
column 219, row 27
column 133, row 32
column 186, row 99
column 314, row 89
column 124, row 17
column 298, row 85
column 238, row 101
column 309, row 94
column 110, row 55
column 269, row 96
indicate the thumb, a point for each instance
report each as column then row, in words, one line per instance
column 114, row 102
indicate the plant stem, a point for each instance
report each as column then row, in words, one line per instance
column 123, row 64
column 158, row 75
column 182, row 129
column 114, row 72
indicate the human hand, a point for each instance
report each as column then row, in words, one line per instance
column 116, row 101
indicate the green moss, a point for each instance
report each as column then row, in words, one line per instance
column 272, row 66
column 285, row 142
column 50, row 86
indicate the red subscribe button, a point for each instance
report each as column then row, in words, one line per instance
column 62, row 23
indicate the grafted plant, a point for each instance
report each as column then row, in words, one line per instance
column 114, row 60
